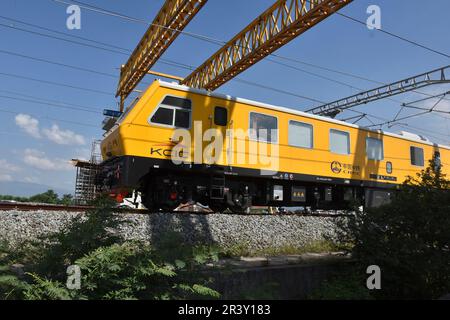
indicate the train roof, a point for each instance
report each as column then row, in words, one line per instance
column 176, row 86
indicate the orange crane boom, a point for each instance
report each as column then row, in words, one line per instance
column 173, row 17
column 282, row 22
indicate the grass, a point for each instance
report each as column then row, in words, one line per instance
column 244, row 250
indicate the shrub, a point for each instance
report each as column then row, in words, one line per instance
column 408, row 239
column 111, row 267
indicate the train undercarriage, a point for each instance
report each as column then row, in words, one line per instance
column 164, row 186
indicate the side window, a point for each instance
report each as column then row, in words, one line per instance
column 374, row 149
column 417, row 158
column 173, row 111
column 339, row 142
column 300, row 134
column 261, row 127
column 220, row 116
column 163, row 116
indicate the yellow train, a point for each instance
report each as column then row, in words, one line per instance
column 176, row 144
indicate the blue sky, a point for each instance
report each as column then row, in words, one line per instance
column 36, row 147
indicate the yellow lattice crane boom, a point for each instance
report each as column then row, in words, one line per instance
column 173, row 17
column 282, row 22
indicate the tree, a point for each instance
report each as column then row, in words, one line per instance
column 408, row 239
column 66, row 200
column 49, row 197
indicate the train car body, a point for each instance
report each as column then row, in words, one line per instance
column 267, row 155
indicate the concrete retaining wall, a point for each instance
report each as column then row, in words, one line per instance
column 226, row 230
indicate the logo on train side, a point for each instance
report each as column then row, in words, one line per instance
column 345, row 168
column 164, row 149
column 336, row 167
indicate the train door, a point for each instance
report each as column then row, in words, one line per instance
column 219, row 123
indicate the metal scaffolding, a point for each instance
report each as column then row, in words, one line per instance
column 85, row 187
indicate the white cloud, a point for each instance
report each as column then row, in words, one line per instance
column 6, row 166
column 28, row 124
column 83, row 154
column 31, row 179
column 38, row 159
column 66, row 137
column 55, row 134
column 5, row 177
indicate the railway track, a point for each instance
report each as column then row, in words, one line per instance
column 18, row 206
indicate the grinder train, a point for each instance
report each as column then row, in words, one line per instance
column 321, row 162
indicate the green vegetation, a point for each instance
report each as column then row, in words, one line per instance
column 347, row 285
column 49, row 197
column 244, row 250
column 111, row 268
column 408, row 239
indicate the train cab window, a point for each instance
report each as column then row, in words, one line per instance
column 182, row 118
column 174, row 112
column 220, row 116
column 300, row 134
column 417, row 158
column 374, row 149
column 339, row 142
column 263, row 128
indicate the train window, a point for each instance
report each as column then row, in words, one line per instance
column 417, row 156
column 220, row 116
column 163, row 116
column 174, row 112
column 182, row 118
column 339, row 142
column 300, row 134
column 263, row 127
column 177, row 102
column 374, row 149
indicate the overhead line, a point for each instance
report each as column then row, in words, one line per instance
column 49, row 100
column 48, row 118
column 221, row 42
column 184, row 66
column 57, row 63
column 396, row 36
column 408, row 126
column 54, row 83
column 49, row 104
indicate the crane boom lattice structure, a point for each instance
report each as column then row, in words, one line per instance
column 282, row 22
column 438, row 76
column 173, row 17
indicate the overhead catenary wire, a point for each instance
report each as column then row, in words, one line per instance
column 59, row 84
column 259, row 85
column 104, row 11
column 50, row 118
column 49, row 104
column 212, row 40
column 389, row 33
column 184, row 66
column 64, row 103
column 427, row 131
column 16, row 54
